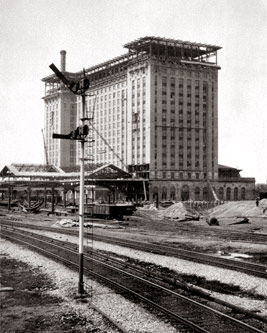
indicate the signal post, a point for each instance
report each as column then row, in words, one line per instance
column 80, row 134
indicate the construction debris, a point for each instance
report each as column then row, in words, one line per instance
column 263, row 205
column 66, row 223
column 148, row 207
column 212, row 221
column 243, row 221
column 179, row 212
column 240, row 209
column 32, row 207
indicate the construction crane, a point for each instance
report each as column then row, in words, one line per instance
column 212, row 191
column 45, row 148
column 107, row 144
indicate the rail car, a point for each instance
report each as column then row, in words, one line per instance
column 109, row 211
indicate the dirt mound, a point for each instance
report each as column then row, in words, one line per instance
column 179, row 211
column 237, row 209
column 263, row 204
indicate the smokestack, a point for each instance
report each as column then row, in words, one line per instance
column 63, row 61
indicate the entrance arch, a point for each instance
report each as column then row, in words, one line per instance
column 221, row 193
column 164, row 193
column 185, row 193
column 172, row 193
column 228, row 193
column 197, row 194
column 155, row 192
column 235, row 194
column 243, row 193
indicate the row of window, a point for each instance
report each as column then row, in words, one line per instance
column 198, row 193
column 99, row 92
column 181, row 165
column 188, row 73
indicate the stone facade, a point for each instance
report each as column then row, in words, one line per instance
column 226, row 188
column 199, row 191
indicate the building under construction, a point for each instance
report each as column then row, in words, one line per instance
column 154, row 113
column 49, row 186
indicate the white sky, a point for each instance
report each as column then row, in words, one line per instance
column 32, row 33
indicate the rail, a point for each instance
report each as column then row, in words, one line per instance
column 209, row 259
column 191, row 313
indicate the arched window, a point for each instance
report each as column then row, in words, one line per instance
column 155, row 192
column 235, row 193
column 205, row 193
column 172, row 194
column 228, row 193
column 164, row 193
column 197, row 194
column 185, row 193
column 221, row 193
column 243, row 193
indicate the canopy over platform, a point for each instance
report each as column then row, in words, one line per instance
column 29, row 172
column 36, row 177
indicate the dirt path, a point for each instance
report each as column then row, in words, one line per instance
column 29, row 307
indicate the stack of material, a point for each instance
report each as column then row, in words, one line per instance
column 33, row 207
column 179, row 212
column 66, row 223
column 148, row 207
column 239, row 209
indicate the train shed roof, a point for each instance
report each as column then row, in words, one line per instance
column 52, row 172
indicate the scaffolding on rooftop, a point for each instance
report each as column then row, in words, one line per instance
column 173, row 50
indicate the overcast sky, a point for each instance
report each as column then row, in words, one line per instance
column 91, row 31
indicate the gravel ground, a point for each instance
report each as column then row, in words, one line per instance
column 147, row 230
column 131, row 317
column 246, row 282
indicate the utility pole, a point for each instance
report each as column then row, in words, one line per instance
column 81, row 207
column 80, row 134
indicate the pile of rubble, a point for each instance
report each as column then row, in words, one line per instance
column 179, row 212
column 239, row 209
column 67, row 223
column 263, row 206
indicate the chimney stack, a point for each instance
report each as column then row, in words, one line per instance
column 63, row 61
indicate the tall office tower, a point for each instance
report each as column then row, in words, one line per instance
column 153, row 110
column 177, row 82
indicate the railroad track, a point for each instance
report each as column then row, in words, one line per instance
column 208, row 259
column 230, row 235
column 185, row 312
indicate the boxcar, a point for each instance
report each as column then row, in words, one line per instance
column 109, row 211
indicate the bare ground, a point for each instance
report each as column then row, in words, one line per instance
column 30, row 309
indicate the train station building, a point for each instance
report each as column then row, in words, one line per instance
column 154, row 113
column 104, row 183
